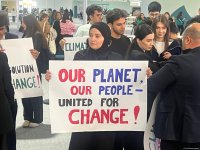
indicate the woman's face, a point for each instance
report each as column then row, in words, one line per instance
column 23, row 25
column 167, row 16
column 46, row 18
column 161, row 31
column 95, row 39
column 146, row 43
column 142, row 16
column 58, row 16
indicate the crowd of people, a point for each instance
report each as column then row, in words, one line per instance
column 173, row 72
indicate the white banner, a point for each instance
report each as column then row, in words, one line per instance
column 25, row 76
column 150, row 141
column 92, row 96
column 73, row 45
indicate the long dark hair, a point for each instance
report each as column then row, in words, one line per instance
column 66, row 16
column 140, row 32
column 32, row 26
column 163, row 20
column 55, row 15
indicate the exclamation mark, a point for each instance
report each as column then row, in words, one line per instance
column 136, row 112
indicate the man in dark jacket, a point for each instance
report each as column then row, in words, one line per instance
column 177, row 119
column 11, row 137
column 6, row 98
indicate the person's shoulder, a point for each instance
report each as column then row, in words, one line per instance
column 115, row 56
column 3, row 57
column 38, row 34
column 137, row 52
column 2, row 54
column 83, row 30
column 84, row 26
column 176, row 59
column 80, row 55
column 9, row 35
column 125, row 37
column 175, row 43
column 138, row 55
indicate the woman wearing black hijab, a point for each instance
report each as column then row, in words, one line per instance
column 99, row 42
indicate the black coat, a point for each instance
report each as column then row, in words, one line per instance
column 137, row 53
column 89, row 54
column 44, row 56
column 10, row 36
column 6, row 95
column 174, row 48
column 56, row 26
column 94, row 140
column 178, row 110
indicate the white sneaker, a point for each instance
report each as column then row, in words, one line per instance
column 33, row 125
column 25, row 124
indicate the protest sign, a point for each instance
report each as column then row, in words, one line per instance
column 25, row 76
column 73, row 45
column 92, row 96
column 150, row 140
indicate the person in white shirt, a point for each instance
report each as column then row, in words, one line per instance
column 94, row 14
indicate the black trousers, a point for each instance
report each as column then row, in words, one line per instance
column 129, row 140
column 33, row 109
column 11, row 136
column 3, row 144
column 92, row 141
column 176, row 145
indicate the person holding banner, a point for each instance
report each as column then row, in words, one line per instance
column 99, row 42
column 6, row 100
column 177, row 118
column 33, row 106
